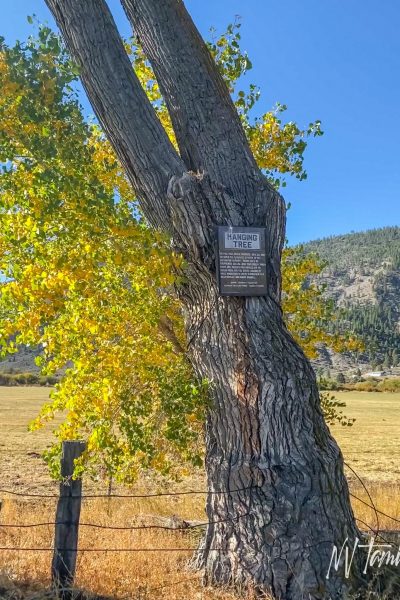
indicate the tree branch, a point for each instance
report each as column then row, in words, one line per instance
column 119, row 102
column 173, row 196
column 205, row 120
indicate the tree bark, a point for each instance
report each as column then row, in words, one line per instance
column 265, row 433
column 265, row 436
column 119, row 101
column 205, row 121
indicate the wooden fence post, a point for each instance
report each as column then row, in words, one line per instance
column 67, row 521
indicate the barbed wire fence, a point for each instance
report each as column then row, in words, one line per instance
column 66, row 547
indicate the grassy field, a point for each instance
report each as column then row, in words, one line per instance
column 20, row 461
column 371, row 447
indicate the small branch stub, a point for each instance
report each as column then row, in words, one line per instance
column 241, row 261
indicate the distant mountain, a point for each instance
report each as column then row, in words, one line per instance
column 21, row 362
column 363, row 277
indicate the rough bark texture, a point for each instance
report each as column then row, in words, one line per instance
column 265, row 431
column 182, row 63
column 119, row 101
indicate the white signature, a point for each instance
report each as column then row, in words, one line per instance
column 376, row 556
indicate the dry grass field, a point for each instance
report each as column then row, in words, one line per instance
column 371, row 447
column 20, row 462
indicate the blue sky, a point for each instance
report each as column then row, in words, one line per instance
column 334, row 60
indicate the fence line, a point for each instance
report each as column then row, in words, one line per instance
column 65, row 547
column 185, row 527
column 367, row 491
column 29, row 549
column 374, row 508
column 178, row 528
column 137, row 496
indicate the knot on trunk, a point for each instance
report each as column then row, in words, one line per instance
column 179, row 187
column 190, row 209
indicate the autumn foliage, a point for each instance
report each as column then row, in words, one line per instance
column 85, row 278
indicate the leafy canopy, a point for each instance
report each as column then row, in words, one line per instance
column 87, row 281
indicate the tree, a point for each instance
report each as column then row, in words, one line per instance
column 266, row 437
column 91, row 286
column 340, row 378
column 83, row 277
column 387, row 361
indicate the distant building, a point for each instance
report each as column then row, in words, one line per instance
column 375, row 374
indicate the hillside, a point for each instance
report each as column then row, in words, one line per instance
column 363, row 277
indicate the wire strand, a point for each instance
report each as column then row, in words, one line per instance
column 368, row 494
column 156, row 495
column 374, row 531
column 185, row 527
column 374, row 508
column 32, row 549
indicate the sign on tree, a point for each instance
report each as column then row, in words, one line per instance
column 241, row 261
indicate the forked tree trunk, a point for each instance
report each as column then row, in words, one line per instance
column 278, row 499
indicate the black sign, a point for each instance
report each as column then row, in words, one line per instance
column 241, row 261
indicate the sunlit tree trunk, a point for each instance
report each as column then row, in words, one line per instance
column 275, row 474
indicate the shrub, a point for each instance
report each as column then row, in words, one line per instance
column 389, row 385
column 12, row 379
column 327, row 384
column 370, row 385
column 26, row 378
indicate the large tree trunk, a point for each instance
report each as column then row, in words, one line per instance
column 278, row 499
column 266, row 436
column 275, row 474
